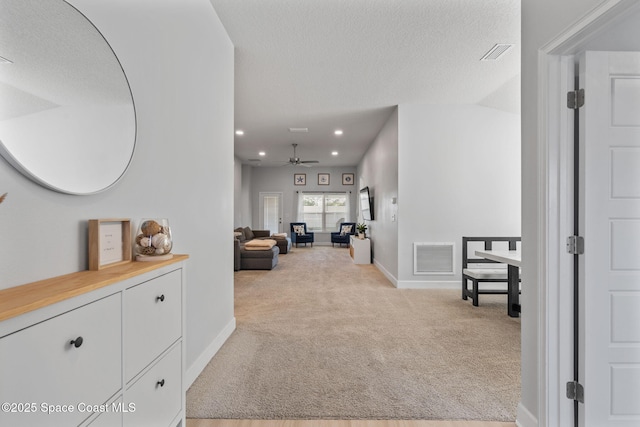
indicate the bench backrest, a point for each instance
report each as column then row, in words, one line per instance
column 468, row 256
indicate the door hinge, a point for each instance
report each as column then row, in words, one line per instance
column 575, row 245
column 575, row 99
column 575, row 391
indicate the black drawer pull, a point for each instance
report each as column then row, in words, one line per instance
column 160, row 383
column 160, row 298
column 77, row 342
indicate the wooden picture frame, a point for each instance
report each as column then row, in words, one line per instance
column 109, row 242
column 348, row 179
column 299, row 179
column 323, row 179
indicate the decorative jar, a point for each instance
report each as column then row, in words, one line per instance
column 153, row 240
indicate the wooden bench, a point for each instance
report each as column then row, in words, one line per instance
column 483, row 273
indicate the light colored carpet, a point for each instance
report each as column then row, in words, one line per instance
column 319, row 337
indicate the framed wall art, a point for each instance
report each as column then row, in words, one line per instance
column 323, row 179
column 300, row 179
column 109, row 242
column 348, row 179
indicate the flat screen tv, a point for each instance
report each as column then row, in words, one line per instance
column 366, row 209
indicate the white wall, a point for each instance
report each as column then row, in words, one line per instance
column 378, row 170
column 459, row 175
column 179, row 62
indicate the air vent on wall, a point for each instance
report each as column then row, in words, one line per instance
column 299, row 130
column 496, row 52
column 433, row 258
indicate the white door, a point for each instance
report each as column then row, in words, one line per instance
column 609, row 349
column 271, row 212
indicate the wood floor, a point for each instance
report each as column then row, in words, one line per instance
column 341, row 423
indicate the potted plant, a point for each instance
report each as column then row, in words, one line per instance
column 362, row 228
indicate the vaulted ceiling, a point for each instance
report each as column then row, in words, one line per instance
column 325, row 65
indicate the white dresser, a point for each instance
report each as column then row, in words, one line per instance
column 98, row 348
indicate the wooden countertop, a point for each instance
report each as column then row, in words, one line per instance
column 32, row 296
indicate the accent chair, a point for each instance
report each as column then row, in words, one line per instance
column 299, row 234
column 341, row 236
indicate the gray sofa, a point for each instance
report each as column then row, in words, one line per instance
column 256, row 260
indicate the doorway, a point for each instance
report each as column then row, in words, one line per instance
column 271, row 212
column 603, row 31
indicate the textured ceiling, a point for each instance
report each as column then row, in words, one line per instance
column 50, row 66
column 345, row 64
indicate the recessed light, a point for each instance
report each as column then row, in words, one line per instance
column 334, row 153
column 338, row 132
column 262, row 153
column 239, row 132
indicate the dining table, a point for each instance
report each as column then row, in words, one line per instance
column 513, row 259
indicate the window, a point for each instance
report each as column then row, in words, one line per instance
column 323, row 211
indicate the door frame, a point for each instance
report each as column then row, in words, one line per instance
column 261, row 195
column 555, row 148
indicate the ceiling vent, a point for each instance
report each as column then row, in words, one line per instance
column 299, row 130
column 496, row 52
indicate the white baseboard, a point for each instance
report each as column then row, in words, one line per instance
column 201, row 362
column 387, row 274
column 525, row 418
column 428, row 284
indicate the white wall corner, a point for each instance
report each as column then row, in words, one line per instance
column 524, row 418
column 388, row 275
column 201, row 362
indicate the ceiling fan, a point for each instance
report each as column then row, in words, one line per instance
column 295, row 161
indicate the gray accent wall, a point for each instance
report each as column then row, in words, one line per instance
column 280, row 179
column 179, row 62
column 379, row 171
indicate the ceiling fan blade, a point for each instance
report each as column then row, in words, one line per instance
column 295, row 161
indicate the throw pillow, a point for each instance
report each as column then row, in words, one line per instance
column 239, row 233
column 299, row 229
column 248, row 234
column 346, row 229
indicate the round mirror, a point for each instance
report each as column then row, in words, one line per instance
column 67, row 118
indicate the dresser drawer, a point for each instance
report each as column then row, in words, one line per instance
column 111, row 417
column 153, row 320
column 41, row 366
column 157, row 394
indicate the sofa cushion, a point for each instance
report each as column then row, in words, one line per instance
column 486, row 273
column 269, row 253
column 298, row 229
